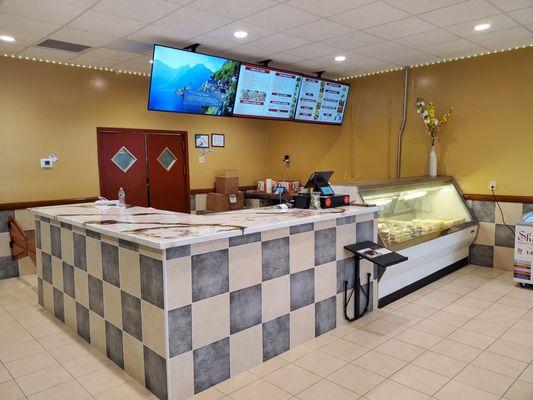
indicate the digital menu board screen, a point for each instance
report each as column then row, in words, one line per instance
column 321, row 101
column 266, row 92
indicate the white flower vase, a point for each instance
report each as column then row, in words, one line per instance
column 432, row 162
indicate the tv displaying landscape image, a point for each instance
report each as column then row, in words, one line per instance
column 187, row 82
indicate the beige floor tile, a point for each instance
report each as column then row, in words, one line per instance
column 321, row 341
column 419, row 338
column 401, row 350
column 10, row 391
column 501, row 314
column 292, row 378
column 355, row 378
column 22, row 350
column 30, row 364
column 4, row 374
column 440, row 364
column 379, row 363
column 297, row 352
column 385, row 327
column 344, row 350
column 459, row 351
column 512, row 350
column 402, row 318
column 325, row 389
column 484, row 327
column 527, row 375
column 320, row 363
column 43, row 330
column 471, row 338
column 233, row 384
column 456, row 320
column 58, row 339
column 473, row 302
column 209, row 394
column 366, row 338
column 260, row 390
column 66, row 391
column 103, row 379
column 460, row 309
column 267, row 367
column 500, row 364
column 484, row 379
column 85, row 364
column 418, row 310
column 520, row 390
column 390, row 390
column 43, row 379
column 435, row 327
column 343, row 330
column 420, row 379
column 517, row 336
column 455, row 390
column 71, row 351
column 131, row 390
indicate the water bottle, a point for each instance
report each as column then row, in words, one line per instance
column 122, row 197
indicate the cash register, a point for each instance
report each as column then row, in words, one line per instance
column 319, row 182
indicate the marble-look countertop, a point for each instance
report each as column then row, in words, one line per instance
column 164, row 229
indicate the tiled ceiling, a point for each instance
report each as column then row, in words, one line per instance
column 303, row 35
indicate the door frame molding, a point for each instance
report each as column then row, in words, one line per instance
column 103, row 129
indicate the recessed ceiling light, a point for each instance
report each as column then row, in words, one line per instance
column 340, row 58
column 240, row 34
column 481, row 27
column 7, row 38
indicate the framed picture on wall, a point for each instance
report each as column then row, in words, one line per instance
column 201, row 141
column 218, row 140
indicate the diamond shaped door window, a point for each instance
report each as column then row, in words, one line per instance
column 124, row 159
column 167, row 159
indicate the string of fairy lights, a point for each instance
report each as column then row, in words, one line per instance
column 128, row 72
column 486, row 53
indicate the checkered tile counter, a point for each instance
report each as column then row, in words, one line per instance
column 183, row 319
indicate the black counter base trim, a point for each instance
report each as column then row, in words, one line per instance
column 422, row 282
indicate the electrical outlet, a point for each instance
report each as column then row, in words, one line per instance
column 201, row 160
column 492, row 185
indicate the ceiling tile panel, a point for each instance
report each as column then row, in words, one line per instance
column 233, row 8
column 497, row 23
column 131, row 46
column 139, row 10
column 427, row 38
column 327, row 8
column 42, row 10
column 158, row 34
column 279, row 42
column 227, row 31
column 352, row 40
column 78, row 36
column 48, row 54
column 467, row 11
column 320, row 30
column 192, row 21
column 421, row 6
column 408, row 57
column 505, row 36
column 510, row 5
column 281, row 18
column 371, row 15
column 106, row 24
column 524, row 16
column 401, row 28
column 453, row 48
column 376, row 50
column 21, row 26
column 314, row 50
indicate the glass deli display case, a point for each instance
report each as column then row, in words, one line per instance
column 424, row 219
column 413, row 211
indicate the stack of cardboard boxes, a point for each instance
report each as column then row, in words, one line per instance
column 227, row 195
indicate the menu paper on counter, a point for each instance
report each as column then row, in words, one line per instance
column 523, row 252
column 321, row 101
column 266, row 92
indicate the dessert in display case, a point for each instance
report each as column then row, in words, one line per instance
column 425, row 219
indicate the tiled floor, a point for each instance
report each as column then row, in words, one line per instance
column 468, row 336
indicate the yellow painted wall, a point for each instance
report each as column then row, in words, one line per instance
column 48, row 108
column 489, row 137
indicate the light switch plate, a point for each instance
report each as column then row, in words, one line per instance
column 201, row 160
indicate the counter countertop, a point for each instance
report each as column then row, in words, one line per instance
column 164, row 229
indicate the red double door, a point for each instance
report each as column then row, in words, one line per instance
column 151, row 167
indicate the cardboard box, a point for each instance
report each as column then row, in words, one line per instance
column 218, row 202
column 227, row 183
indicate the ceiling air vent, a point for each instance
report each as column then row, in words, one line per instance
column 64, row 46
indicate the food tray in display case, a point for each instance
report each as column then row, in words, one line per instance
column 416, row 210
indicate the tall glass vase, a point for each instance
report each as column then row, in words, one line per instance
column 432, row 162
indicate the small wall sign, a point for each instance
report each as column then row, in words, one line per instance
column 201, row 141
column 218, row 140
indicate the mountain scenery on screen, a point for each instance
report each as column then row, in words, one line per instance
column 193, row 83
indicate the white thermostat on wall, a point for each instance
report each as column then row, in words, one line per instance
column 46, row 163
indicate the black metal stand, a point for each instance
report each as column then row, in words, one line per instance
column 356, row 288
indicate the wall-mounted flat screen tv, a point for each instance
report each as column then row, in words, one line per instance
column 194, row 83
column 321, row 101
column 266, row 92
